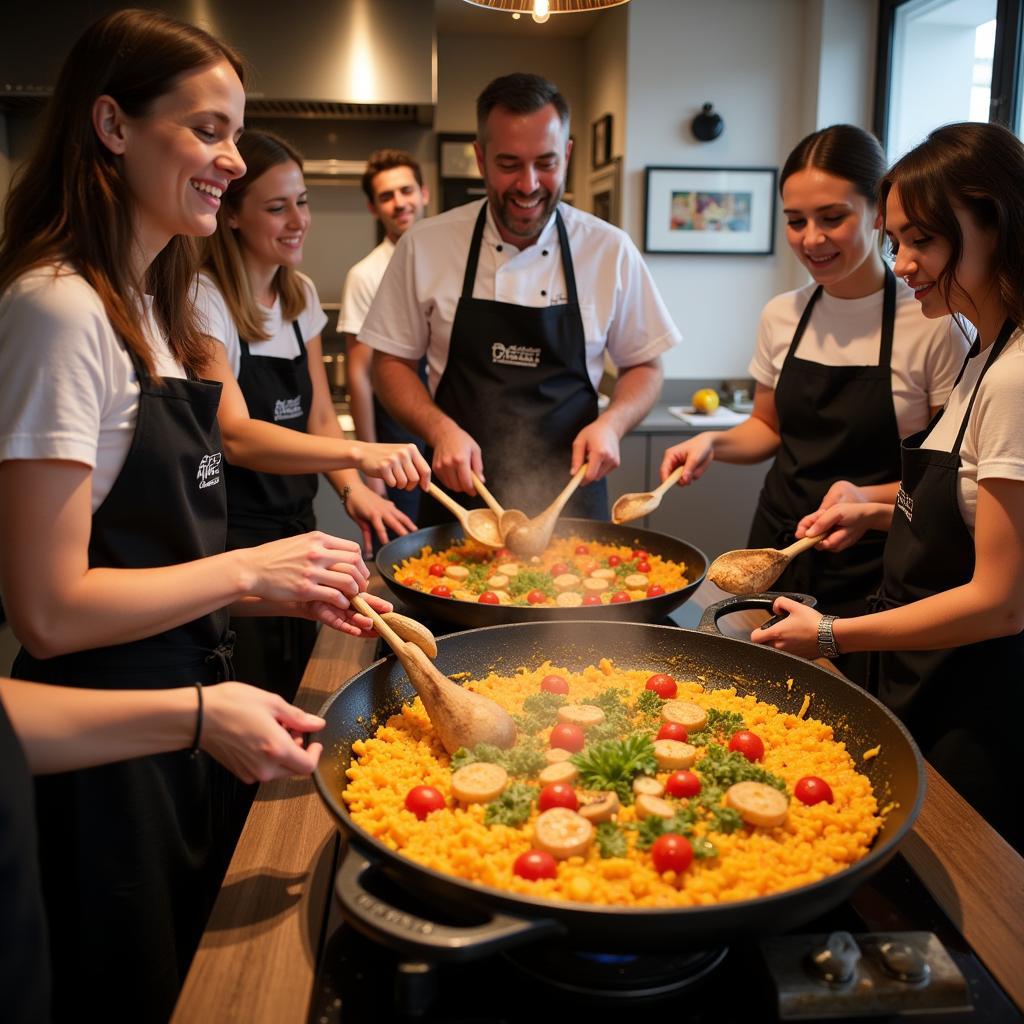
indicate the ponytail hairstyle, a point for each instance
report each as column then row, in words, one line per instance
column 844, row 151
column 70, row 202
column 222, row 252
column 974, row 167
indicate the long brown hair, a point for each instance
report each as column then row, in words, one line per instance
column 70, row 201
column 979, row 168
column 222, row 254
column 844, row 151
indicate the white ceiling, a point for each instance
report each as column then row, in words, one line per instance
column 456, row 17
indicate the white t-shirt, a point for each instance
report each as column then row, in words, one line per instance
column 215, row 320
column 69, row 390
column 415, row 305
column 926, row 354
column 361, row 284
column 993, row 445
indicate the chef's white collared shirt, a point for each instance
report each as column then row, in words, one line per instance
column 414, row 308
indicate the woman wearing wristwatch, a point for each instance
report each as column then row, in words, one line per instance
column 951, row 607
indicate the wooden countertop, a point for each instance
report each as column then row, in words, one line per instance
column 258, row 955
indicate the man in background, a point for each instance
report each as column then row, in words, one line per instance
column 397, row 197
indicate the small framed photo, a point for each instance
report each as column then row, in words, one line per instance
column 606, row 192
column 709, row 210
column 456, row 157
column 601, row 142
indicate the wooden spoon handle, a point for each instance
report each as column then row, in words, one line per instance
column 670, row 481
column 568, row 490
column 449, row 503
column 390, row 637
column 804, row 544
column 492, row 502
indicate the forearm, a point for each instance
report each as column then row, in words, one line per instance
column 883, row 493
column 753, row 440
column 268, row 448
column 398, row 386
column 633, row 397
column 358, row 358
column 65, row 728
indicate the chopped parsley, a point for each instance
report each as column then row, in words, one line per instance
column 611, row 765
column 525, row 758
column 723, row 768
column 540, row 710
column 530, row 579
column 649, row 706
column 513, row 807
column 616, row 715
column 611, row 840
column 476, row 581
column 721, row 725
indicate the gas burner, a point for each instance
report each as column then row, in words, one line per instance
column 603, row 976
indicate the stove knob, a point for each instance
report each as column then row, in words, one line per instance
column 836, row 961
column 903, row 962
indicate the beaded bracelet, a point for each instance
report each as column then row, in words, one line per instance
column 199, row 721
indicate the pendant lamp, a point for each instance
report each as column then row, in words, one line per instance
column 541, row 10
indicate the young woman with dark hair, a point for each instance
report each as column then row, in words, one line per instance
column 112, row 511
column 950, row 613
column 844, row 368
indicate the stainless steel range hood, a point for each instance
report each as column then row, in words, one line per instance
column 351, row 59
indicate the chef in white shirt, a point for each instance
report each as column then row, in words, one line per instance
column 515, row 300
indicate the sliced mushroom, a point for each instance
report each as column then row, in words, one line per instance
column 560, row 771
column 599, row 807
column 569, row 599
column 555, row 755
column 562, row 833
column 647, row 785
column 653, row 807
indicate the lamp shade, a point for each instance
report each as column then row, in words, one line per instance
column 554, row 6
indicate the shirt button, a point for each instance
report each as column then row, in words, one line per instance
column 544, row 253
column 543, row 291
column 498, row 248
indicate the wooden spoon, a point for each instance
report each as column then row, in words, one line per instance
column 460, row 717
column 508, row 518
column 642, row 503
column 533, row 536
column 413, row 631
column 479, row 523
column 754, row 570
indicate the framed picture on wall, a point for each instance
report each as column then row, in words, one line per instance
column 606, row 192
column 456, row 157
column 601, row 142
column 709, row 210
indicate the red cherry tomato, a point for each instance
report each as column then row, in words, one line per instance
column 664, row 686
column 619, row 597
column 488, row 597
column 655, row 590
column 639, row 553
column 682, row 784
column 568, row 737
column 408, row 582
column 673, row 731
column 557, row 794
column 748, row 744
column 554, row 684
column 535, row 864
column 502, row 553
column 437, row 569
column 614, row 560
column 558, row 569
column 582, row 549
column 421, row 800
column 442, row 591
column 536, row 597
column 671, row 852
column 591, row 599
column 811, row 790
column 643, row 566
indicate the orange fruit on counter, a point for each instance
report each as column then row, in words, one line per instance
column 705, row 401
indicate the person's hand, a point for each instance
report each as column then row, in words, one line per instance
column 256, row 734
column 398, row 465
column 374, row 514
column 310, row 567
column 842, row 490
column 456, row 455
column 797, row 633
column 844, row 524
column 695, row 455
column 597, row 444
column 347, row 620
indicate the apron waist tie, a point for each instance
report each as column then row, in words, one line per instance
column 222, row 655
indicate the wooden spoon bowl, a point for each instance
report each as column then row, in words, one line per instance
column 638, row 504
column 481, row 524
column 754, row 570
column 533, row 536
column 508, row 518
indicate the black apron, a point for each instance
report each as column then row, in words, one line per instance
column 963, row 705
column 131, row 853
column 272, row 652
column 835, row 423
column 516, row 380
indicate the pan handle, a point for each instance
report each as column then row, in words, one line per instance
column 747, row 602
column 401, row 930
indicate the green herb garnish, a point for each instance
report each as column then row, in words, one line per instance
column 724, row 768
column 525, row 758
column 530, row 579
column 611, row 765
column 648, row 705
column 540, row 710
column 616, row 715
column 513, row 807
column 611, row 840
column 720, row 726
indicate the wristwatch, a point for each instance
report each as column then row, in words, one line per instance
column 827, row 646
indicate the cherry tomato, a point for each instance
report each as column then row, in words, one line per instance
column 748, row 744
column 638, row 553
column 619, row 597
column 558, row 569
column 664, row 686
column 442, row 591
column 557, row 794
column 535, row 864
column 643, row 566
column 568, row 737
column 408, row 582
column 582, row 549
column 671, row 852
column 554, row 684
column 811, row 790
column 655, row 590
column 421, row 800
column 488, row 597
column 614, row 560
column 682, row 784
column 592, row 599
column 536, row 597
column 503, row 553
column 673, row 731
column 437, row 569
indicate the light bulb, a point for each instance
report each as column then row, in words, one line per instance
column 516, row 15
column 541, row 11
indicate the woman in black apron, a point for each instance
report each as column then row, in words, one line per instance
column 951, row 604
column 832, row 425
column 116, row 576
column 252, row 291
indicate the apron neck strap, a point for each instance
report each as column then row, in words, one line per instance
column 567, row 268
column 888, row 318
column 997, row 346
column 298, row 337
column 474, row 253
